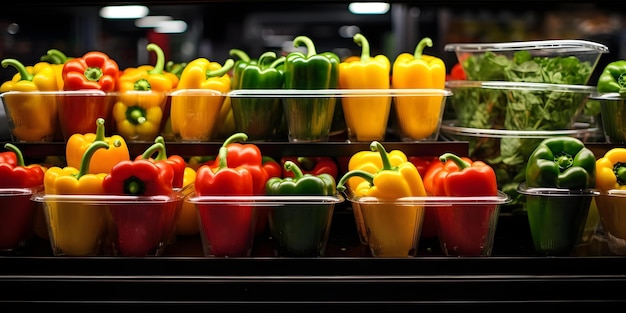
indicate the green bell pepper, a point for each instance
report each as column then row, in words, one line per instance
column 561, row 162
column 613, row 78
column 310, row 118
column 557, row 216
column 301, row 229
column 259, row 117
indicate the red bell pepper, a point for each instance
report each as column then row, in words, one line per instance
column 248, row 156
column 177, row 162
column 463, row 228
column 142, row 226
column 94, row 71
column 8, row 157
column 226, row 229
column 456, row 73
column 312, row 165
column 272, row 167
column 16, row 208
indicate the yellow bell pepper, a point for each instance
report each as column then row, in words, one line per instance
column 366, row 117
column 225, row 125
column 611, row 175
column 75, row 228
column 143, row 92
column 418, row 116
column 187, row 223
column 392, row 226
column 102, row 160
column 198, row 100
column 34, row 115
column 57, row 59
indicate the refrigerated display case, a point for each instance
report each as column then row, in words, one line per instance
column 347, row 277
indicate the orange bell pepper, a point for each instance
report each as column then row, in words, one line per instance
column 103, row 160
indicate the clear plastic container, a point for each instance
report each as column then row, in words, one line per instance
column 299, row 225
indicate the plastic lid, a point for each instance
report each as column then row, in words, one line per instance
column 449, row 127
column 277, row 200
column 565, row 45
column 434, row 201
column 555, row 192
column 523, row 86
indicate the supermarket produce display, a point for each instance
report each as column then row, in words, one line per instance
column 275, row 181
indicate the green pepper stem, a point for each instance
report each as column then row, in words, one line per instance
column 419, row 50
column 620, row 173
column 161, row 154
column 266, row 56
column 86, row 160
column 365, row 46
column 156, row 147
column 310, row 47
column 57, row 56
column 277, row 62
column 236, row 137
column 462, row 164
column 223, row 155
column 223, row 70
column 93, row 73
column 18, row 153
column 291, row 166
column 24, row 74
column 240, row 54
column 160, row 61
column 369, row 177
column 384, row 156
column 100, row 136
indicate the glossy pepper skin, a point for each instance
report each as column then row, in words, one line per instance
column 613, row 78
column 17, row 210
column 391, row 227
column 312, row 165
column 102, row 160
column 272, row 167
column 75, row 228
column 611, row 175
column 139, row 109
column 93, row 72
column 228, row 229
column 188, row 223
column 33, row 112
column 8, row 157
column 249, row 156
column 177, row 162
column 423, row 163
column 556, row 222
column 464, row 230
column 301, row 230
column 258, row 117
column 193, row 115
column 141, row 229
column 371, row 162
column 418, row 71
column 366, row 117
column 310, row 119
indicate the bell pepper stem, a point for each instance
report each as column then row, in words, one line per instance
column 237, row 137
column 18, row 153
column 369, row 177
column 308, row 43
column 160, row 61
column 564, row 161
column 223, row 70
column 378, row 147
column 278, row 62
column 56, row 56
column 462, row 164
column 86, row 160
column 360, row 40
column 24, row 74
column 156, row 147
column 265, row 57
column 223, row 156
column 293, row 167
column 240, row 54
column 620, row 173
column 419, row 50
column 100, row 133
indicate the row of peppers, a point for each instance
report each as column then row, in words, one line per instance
column 143, row 117
column 100, row 164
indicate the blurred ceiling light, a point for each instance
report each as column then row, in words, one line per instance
column 368, row 7
column 151, row 21
column 124, row 11
column 171, row 27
